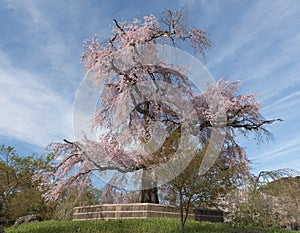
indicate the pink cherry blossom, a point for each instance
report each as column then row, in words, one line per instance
column 220, row 105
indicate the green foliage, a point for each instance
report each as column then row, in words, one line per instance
column 21, row 195
column 134, row 226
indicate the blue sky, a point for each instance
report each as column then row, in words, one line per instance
column 257, row 42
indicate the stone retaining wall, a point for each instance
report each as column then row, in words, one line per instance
column 142, row 210
column 209, row 215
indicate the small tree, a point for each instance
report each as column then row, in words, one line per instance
column 195, row 189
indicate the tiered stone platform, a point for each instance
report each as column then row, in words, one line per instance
column 142, row 210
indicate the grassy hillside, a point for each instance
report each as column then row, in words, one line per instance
column 133, row 226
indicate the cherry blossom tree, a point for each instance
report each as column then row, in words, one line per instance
column 220, row 106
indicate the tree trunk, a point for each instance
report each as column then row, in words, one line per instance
column 149, row 195
column 149, row 192
column 181, row 212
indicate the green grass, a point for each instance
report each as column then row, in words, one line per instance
column 134, row 226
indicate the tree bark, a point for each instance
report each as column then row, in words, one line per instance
column 149, row 195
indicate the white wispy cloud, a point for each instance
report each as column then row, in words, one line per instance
column 31, row 112
column 249, row 30
column 287, row 102
column 281, row 149
column 285, row 154
column 288, row 163
column 262, row 48
column 41, row 99
column 47, row 42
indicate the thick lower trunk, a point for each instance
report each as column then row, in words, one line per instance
column 149, row 196
column 149, row 192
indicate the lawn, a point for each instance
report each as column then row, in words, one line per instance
column 134, row 226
